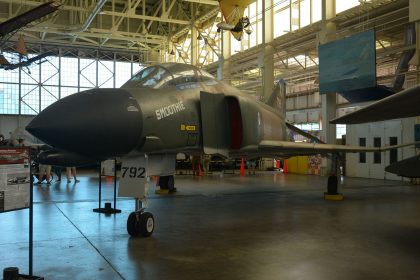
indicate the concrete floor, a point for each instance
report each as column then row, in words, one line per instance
column 268, row 226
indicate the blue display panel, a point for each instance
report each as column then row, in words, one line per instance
column 348, row 64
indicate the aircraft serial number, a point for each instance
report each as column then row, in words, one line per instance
column 133, row 172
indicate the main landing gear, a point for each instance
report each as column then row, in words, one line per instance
column 167, row 183
column 140, row 222
column 332, row 186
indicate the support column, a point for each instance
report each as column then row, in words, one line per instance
column 414, row 16
column 194, row 45
column 417, row 56
column 194, row 35
column 268, row 50
column 329, row 100
column 223, row 71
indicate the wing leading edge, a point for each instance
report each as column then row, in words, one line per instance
column 288, row 149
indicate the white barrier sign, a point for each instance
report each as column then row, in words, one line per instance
column 133, row 179
column 108, row 167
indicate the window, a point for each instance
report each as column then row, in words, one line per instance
column 296, row 14
column 362, row 156
column 29, row 90
column 377, row 155
column 151, row 77
column 282, row 20
column 341, row 5
column 393, row 154
column 340, row 130
column 105, row 74
column 69, row 77
column 88, row 72
column 122, row 73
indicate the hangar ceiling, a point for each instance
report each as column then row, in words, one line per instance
column 145, row 26
column 137, row 25
column 296, row 54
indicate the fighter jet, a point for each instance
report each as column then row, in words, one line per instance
column 163, row 110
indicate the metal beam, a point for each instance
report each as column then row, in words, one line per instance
column 144, row 17
column 122, row 36
column 106, row 32
column 35, row 3
column 207, row 2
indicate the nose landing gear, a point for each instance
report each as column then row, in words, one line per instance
column 140, row 222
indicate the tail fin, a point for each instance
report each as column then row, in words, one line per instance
column 277, row 99
column 299, row 131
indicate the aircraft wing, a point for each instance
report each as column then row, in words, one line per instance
column 288, row 149
column 400, row 105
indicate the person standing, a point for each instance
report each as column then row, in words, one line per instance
column 44, row 174
column 206, row 163
column 57, row 171
column 71, row 171
column 251, row 164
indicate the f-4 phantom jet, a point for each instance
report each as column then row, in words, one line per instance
column 163, row 110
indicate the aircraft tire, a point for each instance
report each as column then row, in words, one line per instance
column 147, row 224
column 171, row 184
column 133, row 225
column 163, row 182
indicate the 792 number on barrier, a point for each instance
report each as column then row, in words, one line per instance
column 133, row 177
column 133, row 172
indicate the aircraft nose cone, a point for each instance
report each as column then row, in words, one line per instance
column 99, row 123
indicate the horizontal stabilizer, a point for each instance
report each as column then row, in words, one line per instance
column 367, row 94
column 406, row 168
column 400, row 105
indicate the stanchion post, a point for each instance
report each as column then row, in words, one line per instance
column 115, row 184
column 100, row 186
column 31, row 215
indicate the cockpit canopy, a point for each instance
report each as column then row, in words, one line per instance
column 168, row 74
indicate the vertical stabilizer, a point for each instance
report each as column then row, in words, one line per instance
column 277, row 99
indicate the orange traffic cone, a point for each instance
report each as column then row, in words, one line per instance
column 242, row 170
column 284, row 166
column 200, row 173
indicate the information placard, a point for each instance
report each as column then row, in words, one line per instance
column 14, row 179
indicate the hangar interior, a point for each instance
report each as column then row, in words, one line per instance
column 293, row 234
column 102, row 43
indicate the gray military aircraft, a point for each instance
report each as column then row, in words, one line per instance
column 163, row 110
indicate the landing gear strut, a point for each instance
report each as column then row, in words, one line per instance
column 332, row 193
column 140, row 222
